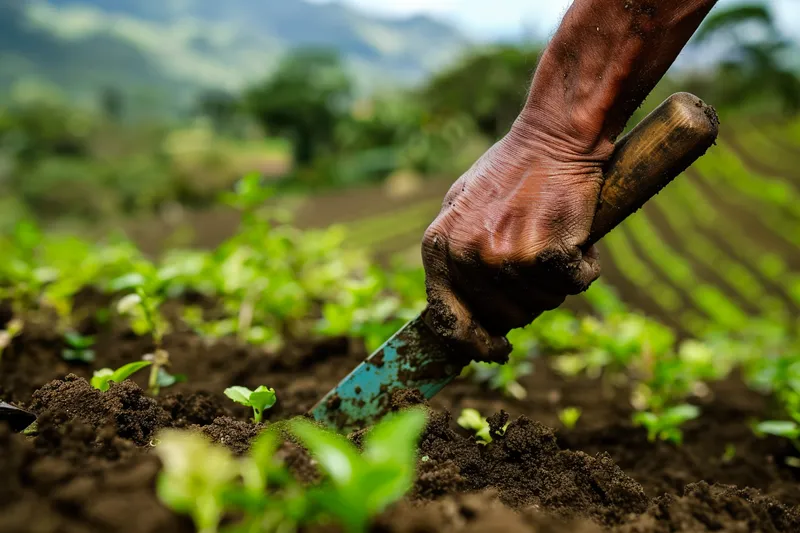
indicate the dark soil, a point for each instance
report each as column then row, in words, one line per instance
column 91, row 467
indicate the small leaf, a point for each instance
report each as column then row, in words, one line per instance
column 263, row 398
column 128, row 303
column 336, row 455
column 165, row 379
column 100, row 378
column 78, row 341
column 780, row 428
column 125, row 371
column 126, row 282
column 84, row 356
column 239, row 395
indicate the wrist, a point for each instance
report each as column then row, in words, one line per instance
column 551, row 136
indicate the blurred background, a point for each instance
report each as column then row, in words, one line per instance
column 135, row 115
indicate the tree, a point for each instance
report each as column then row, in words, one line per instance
column 751, row 67
column 303, row 100
column 490, row 86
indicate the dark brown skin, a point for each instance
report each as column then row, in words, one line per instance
column 507, row 244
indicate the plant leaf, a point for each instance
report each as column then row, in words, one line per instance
column 780, row 428
column 125, row 371
column 126, row 282
column 128, row 303
column 336, row 455
column 239, row 395
column 263, row 398
column 100, row 379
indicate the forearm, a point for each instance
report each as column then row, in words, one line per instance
column 603, row 61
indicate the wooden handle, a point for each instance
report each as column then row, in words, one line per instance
column 661, row 146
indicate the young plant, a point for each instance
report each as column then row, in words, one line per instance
column 361, row 486
column 142, row 306
column 79, row 348
column 569, row 416
column 196, row 477
column 260, row 399
column 102, row 378
column 12, row 329
column 666, row 425
column 472, row 420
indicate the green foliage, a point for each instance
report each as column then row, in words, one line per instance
column 489, row 86
column 303, row 100
column 260, row 399
column 360, row 486
column 79, row 348
column 666, row 424
column 7, row 334
column 472, row 420
column 101, row 379
column 195, row 477
column 569, row 416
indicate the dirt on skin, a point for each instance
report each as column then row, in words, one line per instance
column 91, row 467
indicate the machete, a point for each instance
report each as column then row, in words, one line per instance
column 659, row 148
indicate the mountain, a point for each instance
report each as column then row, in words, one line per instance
column 176, row 46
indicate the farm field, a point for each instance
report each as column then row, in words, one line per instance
column 663, row 400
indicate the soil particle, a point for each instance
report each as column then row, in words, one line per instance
column 123, row 406
column 715, row 508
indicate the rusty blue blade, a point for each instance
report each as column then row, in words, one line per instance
column 414, row 358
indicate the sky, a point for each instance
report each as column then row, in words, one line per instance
column 493, row 19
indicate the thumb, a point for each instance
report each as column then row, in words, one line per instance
column 451, row 320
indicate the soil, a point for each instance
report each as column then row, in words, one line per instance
column 91, row 468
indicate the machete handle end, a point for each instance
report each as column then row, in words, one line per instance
column 664, row 144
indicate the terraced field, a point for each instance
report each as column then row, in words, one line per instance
column 717, row 247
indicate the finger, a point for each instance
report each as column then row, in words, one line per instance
column 448, row 315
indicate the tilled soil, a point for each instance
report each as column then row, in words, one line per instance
column 91, row 467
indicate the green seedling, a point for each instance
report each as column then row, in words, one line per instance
column 472, row 420
column 102, row 378
column 196, row 477
column 361, row 486
column 142, row 307
column 569, row 416
column 729, row 454
column 666, row 425
column 12, row 329
column 79, row 348
column 260, row 399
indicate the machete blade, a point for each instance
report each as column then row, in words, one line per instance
column 413, row 358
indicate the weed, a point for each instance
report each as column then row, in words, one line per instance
column 260, row 399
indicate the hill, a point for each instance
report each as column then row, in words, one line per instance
column 175, row 46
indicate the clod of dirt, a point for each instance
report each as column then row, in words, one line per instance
column 123, row 407
column 198, row 408
column 527, row 468
column 715, row 508
column 233, row 433
column 61, row 481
